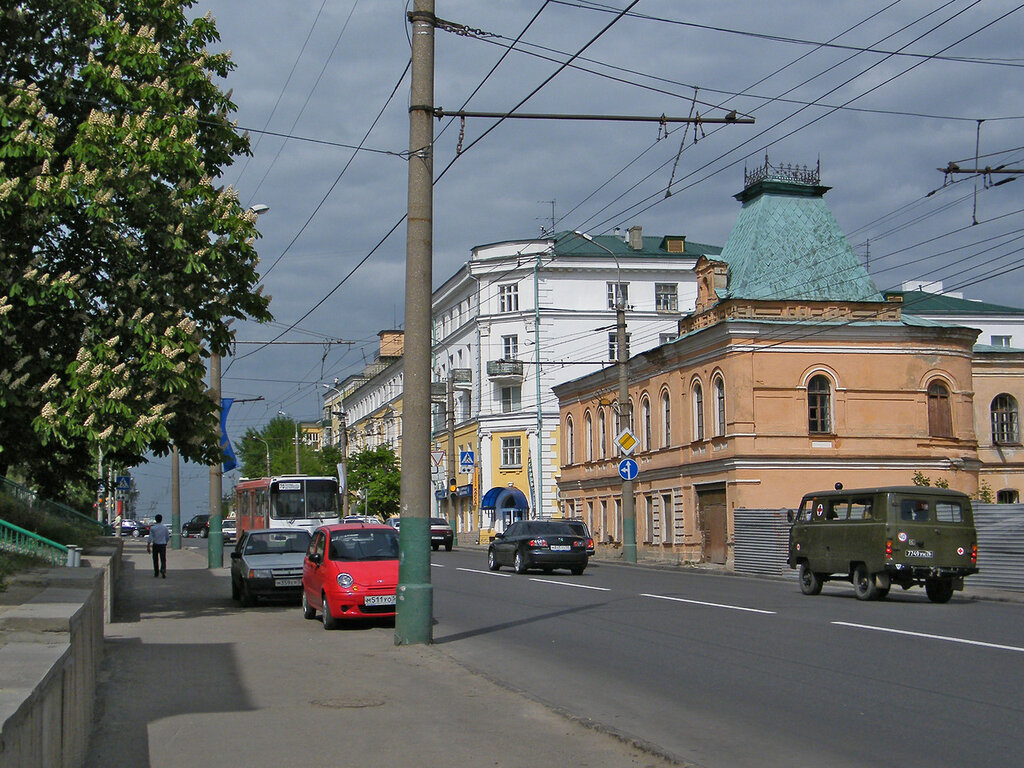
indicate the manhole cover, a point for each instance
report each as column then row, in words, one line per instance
column 357, row 703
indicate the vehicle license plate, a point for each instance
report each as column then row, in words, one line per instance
column 379, row 600
column 560, row 548
column 287, row 582
column 920, row 553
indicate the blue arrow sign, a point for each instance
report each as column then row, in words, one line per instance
column 628, row 469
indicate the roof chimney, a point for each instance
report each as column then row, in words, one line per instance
column 636, row 237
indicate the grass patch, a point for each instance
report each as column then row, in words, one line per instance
column 12, row 563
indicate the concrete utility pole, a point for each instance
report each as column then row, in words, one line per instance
column 452, row 482
column 414, row 620
column 215, row 544
column 625, row 422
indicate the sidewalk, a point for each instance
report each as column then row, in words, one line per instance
column 191, row 679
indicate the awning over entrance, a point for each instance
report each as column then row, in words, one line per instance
column 505, row 499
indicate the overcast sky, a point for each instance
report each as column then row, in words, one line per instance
column 882, row 93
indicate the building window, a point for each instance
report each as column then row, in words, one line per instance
column 508, row 298
column 510, row 347
column 1000, row 341
column 1004, row 420
column 602, row 431
column 719, row 406
column 666, row 420
column 940, row 420
column 645, row 426
column 588, row 437
column 617, row 292
column 613, row 346
column 511, row 452
column 570, row 441
column 666, row 297
column 511, row 399
column 1008, row 496
column 819, row 405
column 698, row 411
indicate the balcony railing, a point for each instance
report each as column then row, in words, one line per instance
column 505, row 369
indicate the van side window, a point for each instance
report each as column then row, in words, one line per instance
column 914, row 510
column 860, row 509
column 949, row 512
column 837, row 509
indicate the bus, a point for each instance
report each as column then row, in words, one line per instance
column 288, row 501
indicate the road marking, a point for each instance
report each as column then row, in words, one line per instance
column 436, row 565
column 486, row 573
column 709, row 605
column 570, row 584
column 932, row 637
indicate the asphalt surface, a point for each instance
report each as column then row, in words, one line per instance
column 189, row 679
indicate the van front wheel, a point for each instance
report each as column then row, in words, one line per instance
column 810, row 582
column 864, row 583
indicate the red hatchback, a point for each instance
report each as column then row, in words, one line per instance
column 350, row 572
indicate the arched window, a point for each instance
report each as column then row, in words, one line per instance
column 719, row 406
column 666, row 420
column 645, row 423
column 588, row 437
column 1004, row 420
column 569, row 438
column 819, row 405
column 698, row 411
column 940, row 420
column 602, row 434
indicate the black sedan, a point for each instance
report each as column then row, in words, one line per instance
column 268, row 563
column 544, row 544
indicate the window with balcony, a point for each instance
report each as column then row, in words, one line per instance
column 1004, row 420
column 508, row 297
column 510, row 347
column 666, row 297
column 617, row 292
column 511, row 452
column 819, row 405
column 511, row 399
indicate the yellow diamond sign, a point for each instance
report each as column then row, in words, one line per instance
column 626, row 441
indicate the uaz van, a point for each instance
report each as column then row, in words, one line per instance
column 878, row 537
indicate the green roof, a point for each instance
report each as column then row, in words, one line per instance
column 925, row 303
column 786, row 244
column 571, row 244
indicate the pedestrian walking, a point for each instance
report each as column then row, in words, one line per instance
column 159, row 535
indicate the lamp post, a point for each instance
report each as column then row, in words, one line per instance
column 625, row 414
column 282, row 413
column 343, row 446
column 253, row 437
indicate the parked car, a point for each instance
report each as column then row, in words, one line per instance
column 395, row 522
column 227, row 529
column 268, row 563
column 142, row 526
column 441, row 533
column 544, row 544
column 362, row 519
column 129, row 527
column 350, row 572
column 197, row 526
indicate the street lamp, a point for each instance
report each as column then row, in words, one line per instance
column 253, row 437
column 625, row 412
column 282, row 413
column 343, row 467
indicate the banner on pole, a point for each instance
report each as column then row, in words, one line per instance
column 225, row 444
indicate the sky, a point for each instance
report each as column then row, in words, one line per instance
column 882, row 94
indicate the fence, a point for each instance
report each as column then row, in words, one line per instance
column 30, row 497
column 22, row 542
column 761, row 544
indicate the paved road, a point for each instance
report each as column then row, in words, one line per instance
column 730, row 672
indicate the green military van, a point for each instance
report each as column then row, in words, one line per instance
column 880, row 537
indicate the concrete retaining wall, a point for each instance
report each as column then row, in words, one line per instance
column 51, row 646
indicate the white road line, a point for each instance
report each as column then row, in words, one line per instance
column 570, row 584
column 485, row 573
column 436, row 565
column 932, row 637
column 709, row 605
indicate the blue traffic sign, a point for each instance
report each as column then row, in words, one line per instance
column 466, row 461
column 628, row 469
column 123, row 483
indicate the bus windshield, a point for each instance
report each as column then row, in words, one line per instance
column 304, row 498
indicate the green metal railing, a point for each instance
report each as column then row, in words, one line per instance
column 30, row 497
column 16, row 539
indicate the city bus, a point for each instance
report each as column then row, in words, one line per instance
column 288, row 501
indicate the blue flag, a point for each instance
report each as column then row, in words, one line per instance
column 225, row 444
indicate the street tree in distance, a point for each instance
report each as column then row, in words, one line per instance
column 121, row 260
column 376, row 471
